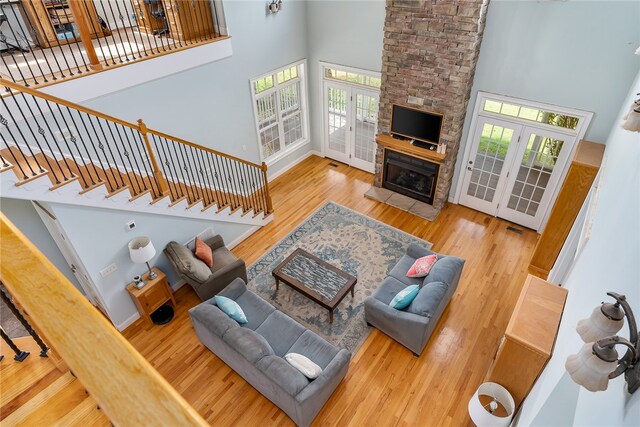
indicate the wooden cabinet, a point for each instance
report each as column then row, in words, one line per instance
column 153, row 295
column 148, row 15
column 575, row 188
column 528, row 342
column 53, row 23
column 188, row 20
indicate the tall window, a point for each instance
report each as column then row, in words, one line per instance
column 280, row 110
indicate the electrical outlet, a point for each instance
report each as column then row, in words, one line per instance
column 130, row 225
column 108, row 270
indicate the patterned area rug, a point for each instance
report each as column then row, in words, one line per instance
column 356, row 244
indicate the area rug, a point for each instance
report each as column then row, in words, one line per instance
column 356, row 244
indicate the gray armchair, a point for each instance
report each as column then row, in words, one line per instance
column 207, row 282
column 413, row 325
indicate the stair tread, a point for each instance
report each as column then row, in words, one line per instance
column 17, row 377
column 50, row 404
column 85, row 414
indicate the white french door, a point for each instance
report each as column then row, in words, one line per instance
column 539, row 160
column 351, row 119
column 513, row 170
column 488, row 166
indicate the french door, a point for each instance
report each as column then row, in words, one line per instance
column 514, row 169
column 351, row 119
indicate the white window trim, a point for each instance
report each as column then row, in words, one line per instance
column 304, row 110
column 478, row 112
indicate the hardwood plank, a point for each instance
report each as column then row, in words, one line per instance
column 386, row 384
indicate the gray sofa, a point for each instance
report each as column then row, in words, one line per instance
column 206, row 281
column 413, row 325
column 255, row 351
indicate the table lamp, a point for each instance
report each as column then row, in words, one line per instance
column 141, row 251
column 491, row 406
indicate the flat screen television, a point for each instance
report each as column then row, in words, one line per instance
column 416, row 124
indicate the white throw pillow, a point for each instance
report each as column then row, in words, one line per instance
column 304, row 365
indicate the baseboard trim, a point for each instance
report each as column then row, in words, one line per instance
column 243, row 236
column 124, row 325
column 180, row 283
column 295, row 162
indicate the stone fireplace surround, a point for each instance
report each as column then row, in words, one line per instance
column 430, row 53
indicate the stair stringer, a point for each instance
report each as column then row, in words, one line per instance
column 39, row 190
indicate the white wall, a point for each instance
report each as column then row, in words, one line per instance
column 608, row 262
column 570, row 53
column 211, row 105
column 99, row 237
column 344, row 33
column 24, row 216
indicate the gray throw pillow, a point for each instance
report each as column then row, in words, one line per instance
column 427, row 301
column 187, row 262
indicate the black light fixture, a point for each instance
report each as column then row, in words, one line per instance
column 275, row 6
column 597, row 362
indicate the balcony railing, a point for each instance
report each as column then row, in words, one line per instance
column 48, row 41
column 45, row 135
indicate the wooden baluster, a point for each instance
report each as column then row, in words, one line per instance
column 81, row 19
column 162, row 182
column 266, row 189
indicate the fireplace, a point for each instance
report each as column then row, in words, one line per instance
column 410, row 176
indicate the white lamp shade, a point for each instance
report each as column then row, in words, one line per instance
column 598, row 326
column 588, row 370
column 481, row 415
column 141, row 250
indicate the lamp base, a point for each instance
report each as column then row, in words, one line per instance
column 152, row 274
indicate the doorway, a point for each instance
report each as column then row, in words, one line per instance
column 350, row 103
column 516, row 158
column 68, row 252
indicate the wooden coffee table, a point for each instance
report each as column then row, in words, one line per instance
column 314, row 278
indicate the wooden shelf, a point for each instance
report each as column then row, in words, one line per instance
column 405, row 147
column 529, row 339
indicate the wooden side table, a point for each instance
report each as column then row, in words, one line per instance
column 153, row 295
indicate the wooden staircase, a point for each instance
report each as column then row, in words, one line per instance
column 60, row 152
column 34, row 392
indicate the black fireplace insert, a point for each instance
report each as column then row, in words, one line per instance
column 410, row 176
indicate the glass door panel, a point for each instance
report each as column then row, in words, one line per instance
column 489, row 165
column 337, row 126
column 365, row 125
column 534, row 177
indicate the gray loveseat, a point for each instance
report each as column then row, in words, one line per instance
column 255, row 351
column 413, row 325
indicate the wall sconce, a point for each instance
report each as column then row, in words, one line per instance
column 632, row 119
column 597, row 361
column 275, row 6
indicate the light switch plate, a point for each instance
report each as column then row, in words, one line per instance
column 130, row 225
column 108, row 270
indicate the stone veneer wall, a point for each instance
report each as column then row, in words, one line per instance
column 430, row 52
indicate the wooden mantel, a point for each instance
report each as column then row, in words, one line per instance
column 405, row 147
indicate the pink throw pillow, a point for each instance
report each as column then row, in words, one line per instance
column 422, row 266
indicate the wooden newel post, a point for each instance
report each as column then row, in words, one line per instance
column 162, row 182
column 266, row 188
column 81, row 19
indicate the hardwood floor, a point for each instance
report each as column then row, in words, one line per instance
column 386, row 385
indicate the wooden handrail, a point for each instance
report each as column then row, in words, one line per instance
column 127, row 388
column 42, row 95
column 203, row 148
